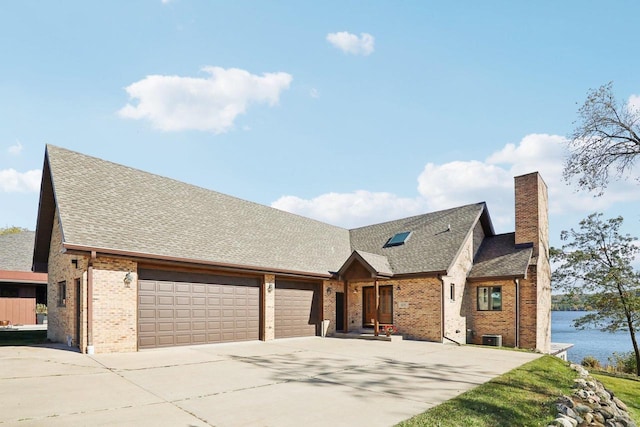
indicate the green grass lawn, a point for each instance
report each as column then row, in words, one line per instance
column 10, row 337
column 525, row 396
column 625, row 389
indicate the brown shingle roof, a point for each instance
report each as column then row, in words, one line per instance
column 109, row 206
column 16, row 251
column 500, row 257
column 113, row 208
column 434, row 243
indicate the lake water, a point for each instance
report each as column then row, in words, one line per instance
column 587, row 342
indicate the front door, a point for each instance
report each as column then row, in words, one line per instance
column 369, row 305
column 339, row 311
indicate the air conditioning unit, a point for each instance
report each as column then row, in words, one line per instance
column 493, row 340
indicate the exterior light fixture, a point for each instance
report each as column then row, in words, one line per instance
column 128, row 278
column 270, row 287
column 355, row 290
column 329, row 289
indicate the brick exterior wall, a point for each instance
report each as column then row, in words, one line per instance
column 114, row 304
column 532, row 226
column 115, row 325
column 502, row 322
column 61, row 320
column 329, row 302
column 269, row 307
column 455, row 316
column 417, row 306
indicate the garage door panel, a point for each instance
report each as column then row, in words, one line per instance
column 165, row 313
column 146, row 314
column 183, row 288
column 165, row 300
column 148, row 327
column 183, row 300
column 183, row 326
column 165, row 326
column 147, row 300
column 147, row 286
column 165, row 287
column 183, row 339
column 148, row 341
column 198, row 288
column 180, row 313
column 165, row 340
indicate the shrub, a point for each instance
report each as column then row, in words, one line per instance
column 623, row 362
column 591, row 362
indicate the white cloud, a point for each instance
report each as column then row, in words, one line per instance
column 314, row 93
column 12, row 181
column 352, row 209
column 634, row 103
column 174, row 103
column 16, row 148
column 351, row 43
column 443, row 186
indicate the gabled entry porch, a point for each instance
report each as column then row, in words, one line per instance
column 368, row 296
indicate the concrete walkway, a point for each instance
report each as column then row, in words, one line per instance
column 291, row 382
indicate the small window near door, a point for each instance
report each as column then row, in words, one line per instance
column 490, row 298
column 62, row 294
column 452, row 292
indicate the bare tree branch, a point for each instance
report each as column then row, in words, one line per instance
column 605, row 143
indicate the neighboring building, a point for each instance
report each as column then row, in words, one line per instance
column 20, row 289
column 136, row 260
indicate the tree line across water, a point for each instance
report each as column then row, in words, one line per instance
column 563, row 302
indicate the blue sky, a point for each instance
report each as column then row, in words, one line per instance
column 350, row 112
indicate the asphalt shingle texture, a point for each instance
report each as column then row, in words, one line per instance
column 500, row 257
column 434, row 243
column 16, row 251
column 105, row 205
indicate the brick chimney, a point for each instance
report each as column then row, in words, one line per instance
column 532, row 212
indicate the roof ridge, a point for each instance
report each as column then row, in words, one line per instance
column 414, row 217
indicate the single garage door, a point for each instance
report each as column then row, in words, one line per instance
column 177, row 308
column 296, row 309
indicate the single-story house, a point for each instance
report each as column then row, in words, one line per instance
column 136, row 261
column 20, row 289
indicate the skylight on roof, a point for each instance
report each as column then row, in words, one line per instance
column 398, row 239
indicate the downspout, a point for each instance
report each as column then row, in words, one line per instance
column 90, row 348
column 517, row 283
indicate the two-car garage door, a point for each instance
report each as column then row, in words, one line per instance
column 187, row 308
column 179, row 308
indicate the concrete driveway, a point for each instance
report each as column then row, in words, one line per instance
column 290, row 382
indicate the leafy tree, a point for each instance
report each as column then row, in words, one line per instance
column 596, row 264
column 606, row 140
column 11, row 230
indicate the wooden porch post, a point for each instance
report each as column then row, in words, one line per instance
column 376, row 323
